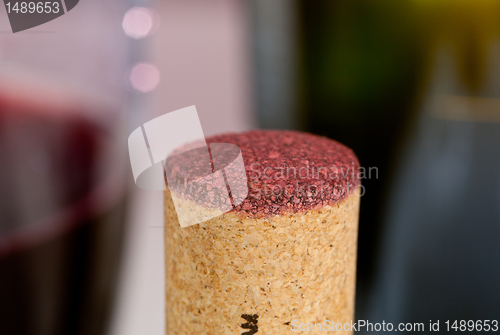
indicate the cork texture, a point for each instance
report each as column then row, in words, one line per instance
column 238, row 274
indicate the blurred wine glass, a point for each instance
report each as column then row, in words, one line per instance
column 62, row 169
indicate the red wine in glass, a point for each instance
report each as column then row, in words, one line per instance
column 61, row 215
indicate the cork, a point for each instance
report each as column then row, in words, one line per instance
column 284, row 256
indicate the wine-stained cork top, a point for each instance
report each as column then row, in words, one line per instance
column 286, row 171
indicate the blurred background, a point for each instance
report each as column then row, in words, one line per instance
column 412, row 86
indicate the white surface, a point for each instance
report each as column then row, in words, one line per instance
column 140, row 307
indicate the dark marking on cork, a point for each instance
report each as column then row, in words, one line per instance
column 251, row 324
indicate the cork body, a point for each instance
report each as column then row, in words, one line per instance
column 236, row 274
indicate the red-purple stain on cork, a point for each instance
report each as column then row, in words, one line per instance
column 286, row 171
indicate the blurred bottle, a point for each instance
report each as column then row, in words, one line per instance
column 62, row 168
column 440, row 256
